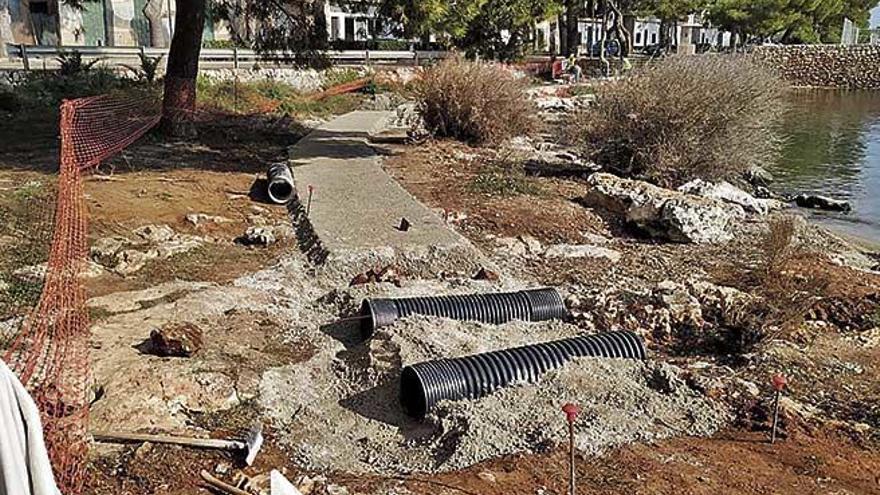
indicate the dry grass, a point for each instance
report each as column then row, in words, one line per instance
column 503, row 176
column 786, row 293
column 474, row 102
column 704, row 116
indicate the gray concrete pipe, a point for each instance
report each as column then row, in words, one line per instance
column 280, row 183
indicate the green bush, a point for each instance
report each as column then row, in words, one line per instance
column 503, row 176
column 223, row 44
column 148, row 68
column 72, row 63
column 50, row 88
column 9, row 101
column 475, row 102
column 706, row 116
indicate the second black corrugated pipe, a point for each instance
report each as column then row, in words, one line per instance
column 425, row 384
column 496, row 308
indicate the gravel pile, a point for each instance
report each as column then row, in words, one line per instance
column 340, row 409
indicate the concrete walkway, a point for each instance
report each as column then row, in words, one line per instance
column 356, row 206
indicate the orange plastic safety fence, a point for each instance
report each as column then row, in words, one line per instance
column 50, row 352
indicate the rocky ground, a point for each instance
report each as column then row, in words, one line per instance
column 198, row 332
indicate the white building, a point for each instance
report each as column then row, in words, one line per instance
column 689, row 33
column 646, row 32
column 346, row 22
column 125, row 23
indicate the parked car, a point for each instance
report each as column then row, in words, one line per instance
column 654, row 51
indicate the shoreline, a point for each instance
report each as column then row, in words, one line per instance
column 865, row 243
column 862, row 242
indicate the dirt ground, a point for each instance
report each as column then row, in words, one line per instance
column 814, row 460
column 826, row 450
column 831, row 447
column 153, row 183
column 818, row 461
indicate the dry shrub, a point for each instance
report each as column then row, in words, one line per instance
column 474, row 102
column 706, row 116
column 786, row 292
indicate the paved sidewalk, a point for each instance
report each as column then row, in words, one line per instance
column 356, row 207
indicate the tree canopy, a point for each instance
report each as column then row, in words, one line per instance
column 295, row 27
column 502, row 29
column 489, row 28
column 789, row 21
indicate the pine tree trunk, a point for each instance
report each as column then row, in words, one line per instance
column 5, row 27
column 572, row 14
column 664, row 34
column 153, row 13
column 179, row 102
column 563, row 36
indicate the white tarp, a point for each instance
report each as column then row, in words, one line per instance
column 24, row 462
column 279, row 485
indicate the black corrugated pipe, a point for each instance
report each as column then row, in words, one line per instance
column 496, row 308
column 423, row 385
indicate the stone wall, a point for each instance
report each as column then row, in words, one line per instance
column 832, row 66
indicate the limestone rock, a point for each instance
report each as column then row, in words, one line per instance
column 154, row 233
column 510, row 246
column 533, row 245
column 130, row 261
column 126, row 256
column 663, row 213
column 201, row 218
column 758, row 176
column 177, row 340
column 817, row 202
column 258, row 236
column 487, row 476
column 792, row 407
column 178, row 244
column 334, row 489
column 36, row 273
column 725, row 191
column 665, row 378
column 684, row 309
column 104, row 249
column 827, row 66
column 563, row 105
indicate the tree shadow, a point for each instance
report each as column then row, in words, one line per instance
column 617, row 225
column 224, row 143
column 338, row 145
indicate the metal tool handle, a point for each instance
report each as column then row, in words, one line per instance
column 210, row 443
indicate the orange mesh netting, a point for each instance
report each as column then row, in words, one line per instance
column 50, row 352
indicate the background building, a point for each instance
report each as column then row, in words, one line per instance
column 146, row 23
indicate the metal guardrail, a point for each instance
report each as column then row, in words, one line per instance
column 44, row 57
